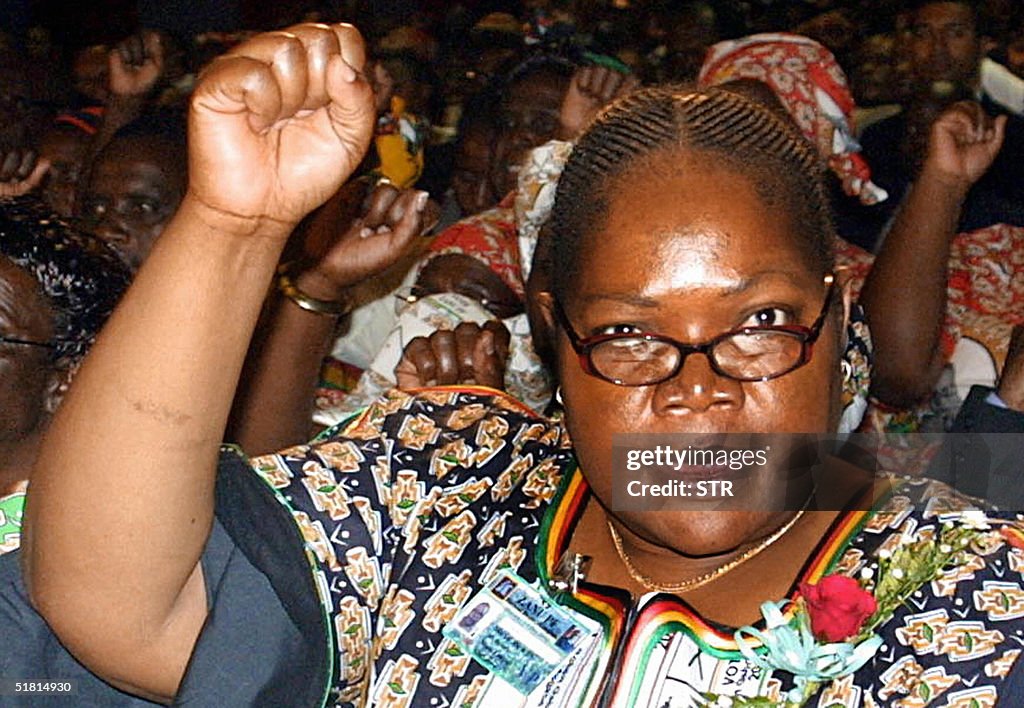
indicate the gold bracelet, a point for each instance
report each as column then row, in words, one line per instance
column 287, row 287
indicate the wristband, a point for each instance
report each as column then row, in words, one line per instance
column 287, row 287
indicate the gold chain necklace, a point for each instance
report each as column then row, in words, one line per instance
column 702, row 580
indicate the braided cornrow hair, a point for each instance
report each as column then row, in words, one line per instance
column 786, row 170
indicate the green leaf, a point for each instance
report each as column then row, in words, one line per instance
column 928, row 632
column 468, row 498
column 353, row 629
column 451, row 459
column 1004, row 600
column 924, row 691
column 366, row 582
column 448, row 598
column 388, row 622
column 453, row 651
column 974, row 703
column 405, row 504
column 327, row 488
column 968, row 641
column 396, row 688
column 451, row 536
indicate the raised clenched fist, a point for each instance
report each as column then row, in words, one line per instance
column 963, row 143
column 469, row 354
column 135, row 64
column 279, row 123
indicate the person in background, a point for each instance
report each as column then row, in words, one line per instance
column 494, row 273
column 1015, row 51
column 801, row 79
column 57, row 288
column 135, row 67
column 944, row 42
column 976, row 457
column 528, row 113
column 344, row 245
column 471, row 190
column 66, row 146
column 873, row 80
column 404, row 95
column 944, row 292
column 135, row 185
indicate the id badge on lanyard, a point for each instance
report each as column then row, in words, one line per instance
column 538, row 652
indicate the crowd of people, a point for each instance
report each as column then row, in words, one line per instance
column 319, row 348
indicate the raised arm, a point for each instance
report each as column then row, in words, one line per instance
column 122, row 496
column 135, row 65
column 904, row 297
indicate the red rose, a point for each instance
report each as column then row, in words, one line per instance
column 1013, row 536
column 837, row 606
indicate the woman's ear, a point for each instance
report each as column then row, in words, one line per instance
column 546, row 310
column 57, row 385
column 844, row 282
column 540, row 309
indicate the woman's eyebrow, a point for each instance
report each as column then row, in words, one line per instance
column 626, row 298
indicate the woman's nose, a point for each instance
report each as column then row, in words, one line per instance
column 697, row 388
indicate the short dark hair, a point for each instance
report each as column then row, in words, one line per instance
column 744, row 135
column 168, row 127
column 81, row 277
column 915, row 5
column 540, row 63
column 982, row 19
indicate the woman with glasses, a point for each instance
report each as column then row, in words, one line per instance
column 57, row 287
column 449, row 547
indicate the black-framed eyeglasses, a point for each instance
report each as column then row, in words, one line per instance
column 4, row 339
column 744, row 354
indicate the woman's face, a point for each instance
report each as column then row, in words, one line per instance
column 689, row 250
column 25, row 370
column 471, row 177
column 529, row 118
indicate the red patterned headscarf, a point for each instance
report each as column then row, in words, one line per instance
column 811, row 86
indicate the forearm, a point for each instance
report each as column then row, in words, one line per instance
column 274, row 405
column 122, row 494
column 904, row 296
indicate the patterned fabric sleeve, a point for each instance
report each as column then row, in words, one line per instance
column 405, row 513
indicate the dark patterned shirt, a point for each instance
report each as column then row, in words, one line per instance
column 406, row 511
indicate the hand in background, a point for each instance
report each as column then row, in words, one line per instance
column 367, row 245
column 471, row 354
column 135, row 65
column 21, row 171
column 592, row 87
column 963, row 143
